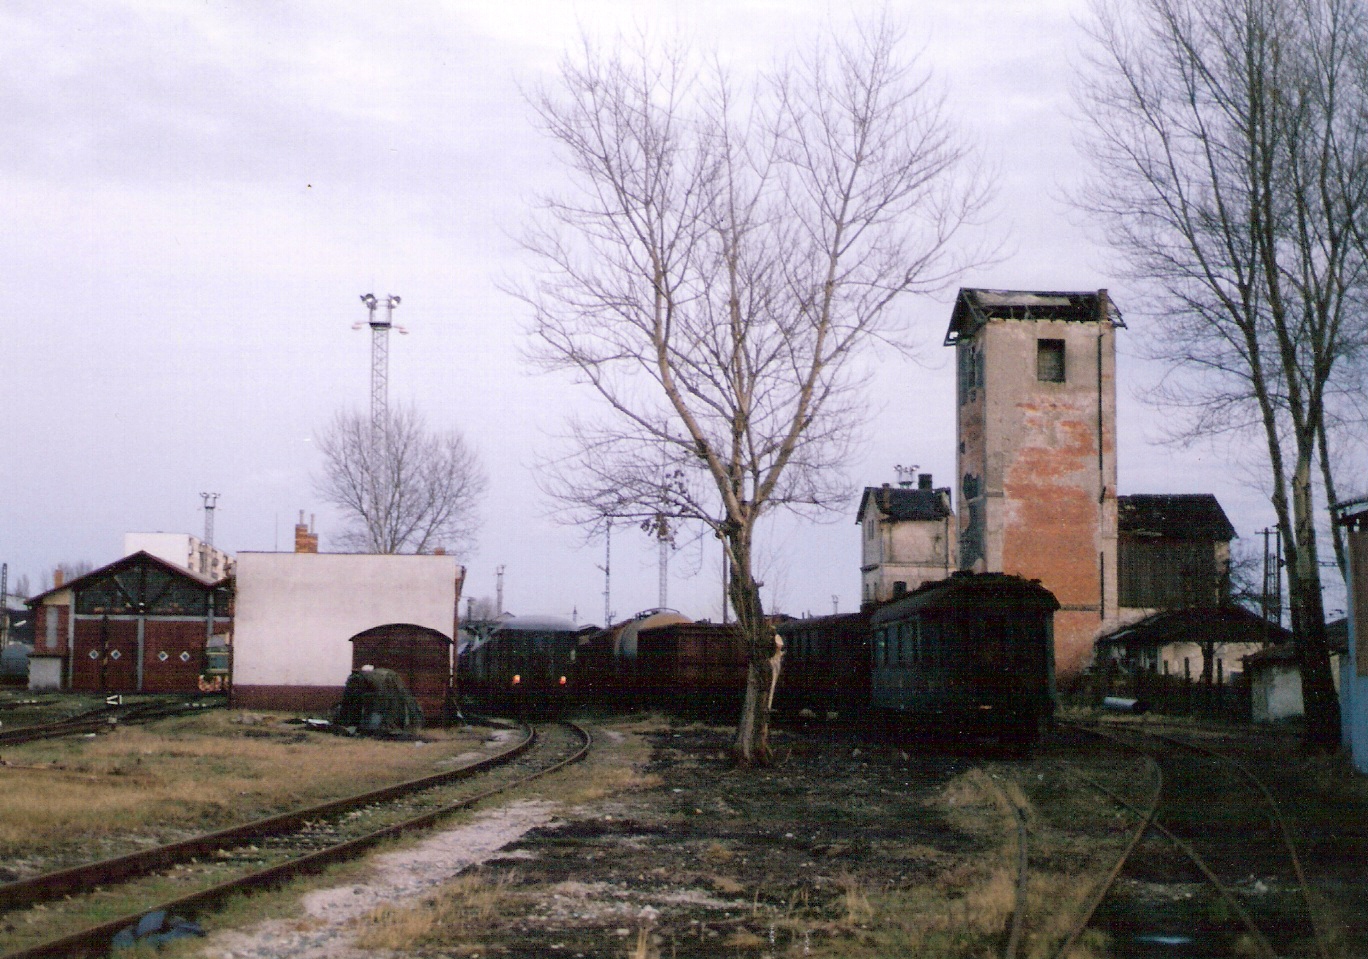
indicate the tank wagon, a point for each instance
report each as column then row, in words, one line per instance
column 525, row 667
column 606, row 664
column 972, row 655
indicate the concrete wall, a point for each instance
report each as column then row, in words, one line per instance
column 1276, row 692
column 297, row 612
column 45, row 672
column 1037, row 472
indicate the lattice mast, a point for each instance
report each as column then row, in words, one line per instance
column 210, row 502
column 380, row 330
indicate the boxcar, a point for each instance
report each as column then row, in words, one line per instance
column 606, row 664
column 972, row 655
column 825, row 670
column 692, row 668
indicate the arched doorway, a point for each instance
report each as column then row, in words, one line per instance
column 421, row 657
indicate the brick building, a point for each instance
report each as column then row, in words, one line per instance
column 140, row 624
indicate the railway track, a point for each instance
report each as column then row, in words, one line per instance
column 51, row 915
column 103, row 718
column 1224, row 832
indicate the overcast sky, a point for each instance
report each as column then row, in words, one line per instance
column 194, row 194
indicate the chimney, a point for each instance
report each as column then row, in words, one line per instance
column 924, row 481
column 58, row 578
column 306, row 541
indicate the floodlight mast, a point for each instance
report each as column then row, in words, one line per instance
column 380, row 329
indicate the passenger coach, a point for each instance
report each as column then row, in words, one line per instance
column 970, row 655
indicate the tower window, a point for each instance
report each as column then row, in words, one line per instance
column 1050, row 361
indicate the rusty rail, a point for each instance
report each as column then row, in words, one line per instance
column 95, row 940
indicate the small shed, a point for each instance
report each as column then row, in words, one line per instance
column 1275, row 685
column 1190, row 643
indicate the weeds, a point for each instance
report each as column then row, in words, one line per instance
column 461, row 911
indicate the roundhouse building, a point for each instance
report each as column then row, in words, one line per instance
column 138, row 625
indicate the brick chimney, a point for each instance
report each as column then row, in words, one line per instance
column 306, row 540
column 58, row 578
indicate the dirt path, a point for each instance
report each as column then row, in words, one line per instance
column 327, row 930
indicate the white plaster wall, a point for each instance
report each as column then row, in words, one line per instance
column 1277, row 694
column 45, row 672
column 297, row 612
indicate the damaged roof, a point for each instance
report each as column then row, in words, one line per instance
column 1173, row 516
column 975, row 307
column 905, row 503
column 1229, row 623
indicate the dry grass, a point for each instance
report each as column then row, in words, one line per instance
column 455, row 916
column 191, row 774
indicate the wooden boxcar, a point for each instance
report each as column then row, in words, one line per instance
column 972, row 655
column 696, row 669
column 419, row 657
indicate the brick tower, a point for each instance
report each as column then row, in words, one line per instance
column 1036, row 417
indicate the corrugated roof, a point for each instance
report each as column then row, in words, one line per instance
column 906, row 503
column 1173, row 516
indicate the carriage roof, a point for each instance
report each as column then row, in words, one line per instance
column 968, row 593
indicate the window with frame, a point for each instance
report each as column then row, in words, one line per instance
column 1050, row 361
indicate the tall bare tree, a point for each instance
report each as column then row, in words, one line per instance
column 723, row 256
column 402, row 488
column 1230, row 146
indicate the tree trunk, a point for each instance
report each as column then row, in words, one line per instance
column 1319, row 699
column 751, row 747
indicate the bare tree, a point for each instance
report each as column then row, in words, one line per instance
column 724, row 255
column 402, row 488
column 1230, row 149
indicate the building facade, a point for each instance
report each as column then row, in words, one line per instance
column 140, row 624
column 1354, row 671
column 303, row 619
column 1036, row 457
column 184, row 550
column 907, row 538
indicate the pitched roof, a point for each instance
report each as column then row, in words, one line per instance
column 1221, row 624
column 905, row 503
column 1173, row 516
column 974, row 307
column 133, row 559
